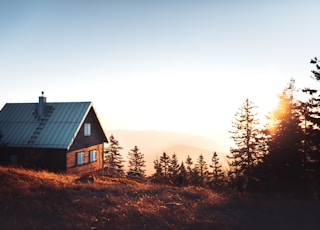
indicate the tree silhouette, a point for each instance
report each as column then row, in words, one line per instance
column 158, row 175
column 174, row 169
column 310, row 117
column 189, row 164
column 311, row 127
column 182, row 175
column 316, row 72
column 165, row 163
column 285, row 161
column 113, row 161
column 136, row 163
column 315, row 119
column 201, row 171
column 249, row 146
column 217, row 175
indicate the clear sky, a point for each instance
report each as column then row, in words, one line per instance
column 183, row 66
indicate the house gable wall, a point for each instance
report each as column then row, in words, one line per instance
column 84, row 144
column 36, row 158
column 97, row 135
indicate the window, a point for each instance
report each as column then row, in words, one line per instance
column 80, row 158
column 93, row 155
column 87, row 129
column 13, row 158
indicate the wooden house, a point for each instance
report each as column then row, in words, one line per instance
column 60, row 137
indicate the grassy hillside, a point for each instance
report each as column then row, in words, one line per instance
column 42, row 200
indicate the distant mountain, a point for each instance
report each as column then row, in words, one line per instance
column 154, row 143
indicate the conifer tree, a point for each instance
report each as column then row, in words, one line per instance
column 164, row 164
column 113, row 161
column 182, row 175
column 248, row 150
column 201, row 171
column 158, row 175
column 285, row 160
column 136, row 163
column 173, row 168
column 189, row 170
column 311, row 128
column 217, row 175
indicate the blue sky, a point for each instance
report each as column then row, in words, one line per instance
column 183, row 66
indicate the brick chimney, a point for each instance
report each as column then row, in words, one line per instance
column 42, row 105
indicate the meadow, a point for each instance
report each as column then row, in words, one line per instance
column 44, row 200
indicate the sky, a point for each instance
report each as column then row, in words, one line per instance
column 181, row 66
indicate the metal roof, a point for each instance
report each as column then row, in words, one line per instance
column 22, row 126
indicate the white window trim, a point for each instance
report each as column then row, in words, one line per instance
column 80, row 158
column 93, row 155
column 87, row 129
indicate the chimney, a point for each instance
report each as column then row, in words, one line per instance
column 42, row 105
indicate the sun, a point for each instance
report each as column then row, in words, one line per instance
column 266, row 110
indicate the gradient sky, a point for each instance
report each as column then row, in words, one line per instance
column 183, row 66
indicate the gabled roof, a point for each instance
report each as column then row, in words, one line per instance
column 22, row 126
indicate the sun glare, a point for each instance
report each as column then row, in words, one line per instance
column 266, row 110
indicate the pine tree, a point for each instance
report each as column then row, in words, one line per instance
column 164, row 164
column 113, row 161
column 249, row 146
column 182, row 175
column 309, row 110
column 311, row 127
column 157, row 177
column 136, row 163
column 189, row 163
column 285, row 160
column 217, row 179
column 173, row 168
column 201, row 171
column 316, row 72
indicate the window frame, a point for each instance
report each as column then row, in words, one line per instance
column 87, row 129
column 93, row 155
column 80, row 158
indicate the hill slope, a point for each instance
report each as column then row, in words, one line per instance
column 42, row 200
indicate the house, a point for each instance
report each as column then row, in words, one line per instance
column 60, row 137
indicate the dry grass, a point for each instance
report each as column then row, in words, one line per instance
column 43, row 200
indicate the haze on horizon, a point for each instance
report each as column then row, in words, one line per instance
column 180, row 66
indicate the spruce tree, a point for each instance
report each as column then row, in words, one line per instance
column 311, row 128
column 136, row 163
column 157, row 177
column 113, row 161
column 189, row 170
column 201, row 171
column 249, row 148
column 182, row 175
column 285, row 161
column 173, row 168
column 164, row 164
column 217, row 174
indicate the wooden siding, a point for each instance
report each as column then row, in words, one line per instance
column 84, row 144
column 87, row 167
column 97, row 135
column 63, row 160
column 36, row 158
